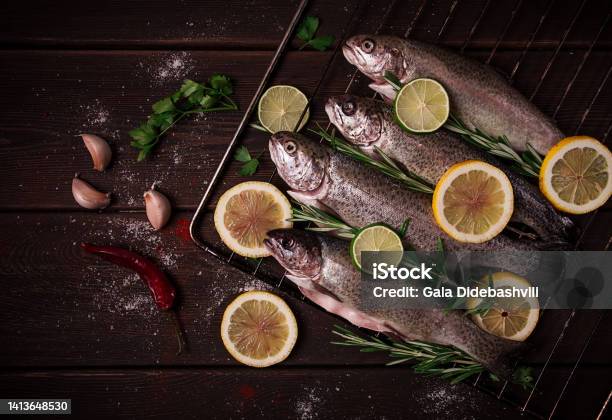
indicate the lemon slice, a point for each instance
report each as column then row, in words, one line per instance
column 258, row 329
column 513, row 318
column 576, row 175
column 422, row 106
column 281, row 107
column 473, row 201
column 377, row 238
column 246, row 212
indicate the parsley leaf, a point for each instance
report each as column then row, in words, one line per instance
column 221, row 84
column 322, row 43
column 242, row 154
column 250, row 164
column 164, row 105
column 249, row 168
column 306, row 33
column 308, row 27
column 191, row 98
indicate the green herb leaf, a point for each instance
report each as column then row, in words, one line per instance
column 393, row 80
column 221, row 83
column 189, row 87
column 403, row 228
column 143, row 154
column 306, row 32
column 208, row 101
column 430, row 359
column 523, row 376
column 196, row 97
column 144, row 134
column 249, row 168
column 164, row 105
column 192, row 97
column 308, row 28
column 384, row 165
column 321, row 43
column 311, row 214
column 242, row 154
column 250, row 164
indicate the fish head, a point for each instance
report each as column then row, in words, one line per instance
column 302, row 163
column 299, row 252
column 374, row 55
column 360, row 120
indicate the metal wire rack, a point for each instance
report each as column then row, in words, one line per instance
column 272, row 274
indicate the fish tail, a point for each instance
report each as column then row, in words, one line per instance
column 556, row 244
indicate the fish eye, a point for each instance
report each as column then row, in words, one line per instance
column 348, row 108
column 290, row 147
column 287, row 243
column 367, row 45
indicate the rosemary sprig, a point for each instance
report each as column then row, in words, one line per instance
column 385, row 165
column 430, row 359
column 527, row 163
column 325, row 221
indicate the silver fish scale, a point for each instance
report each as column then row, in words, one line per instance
column 430, row 155
column 339, row 276
column 479, row 97
column 361, row 196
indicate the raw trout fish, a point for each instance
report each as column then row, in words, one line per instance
column 321, row 267
column 368, row 123
column 479, row 96
column 360, row 196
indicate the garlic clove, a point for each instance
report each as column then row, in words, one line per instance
column 158, row 208
column 87, row 196
column 99, row 150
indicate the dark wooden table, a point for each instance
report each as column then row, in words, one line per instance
column 75, row 327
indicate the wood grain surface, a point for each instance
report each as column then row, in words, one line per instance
column 76, row 327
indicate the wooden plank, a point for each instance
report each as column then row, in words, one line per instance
column 256, row 393
column 63, row 307
column 160, row 24
column 109, row 93
column 232, row 25
column 54, row 294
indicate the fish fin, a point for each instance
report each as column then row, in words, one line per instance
column 301, row 282
column 552, row 245
column 334, row 306
column 395, row 334
column 385, row 90
column 305, row 198
column 310, row 201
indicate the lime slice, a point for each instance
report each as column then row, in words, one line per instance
column 280, row 108
column 376, row 238
column 513, row 318
column 422, row 106
column 576, row 175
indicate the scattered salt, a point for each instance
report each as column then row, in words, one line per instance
column 96, row 115
column 306, row 405
column 174, row 67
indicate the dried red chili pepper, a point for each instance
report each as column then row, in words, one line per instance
column 162, row 290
